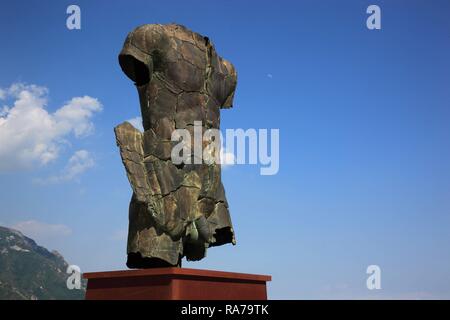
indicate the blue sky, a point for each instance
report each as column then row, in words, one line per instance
column 364, row 138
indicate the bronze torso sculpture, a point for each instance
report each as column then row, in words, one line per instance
column 178, row 210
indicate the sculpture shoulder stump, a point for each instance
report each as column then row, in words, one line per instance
column 175, row 284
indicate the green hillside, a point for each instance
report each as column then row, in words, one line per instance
column 29, row 271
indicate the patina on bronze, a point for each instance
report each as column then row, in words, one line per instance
column 179, row 210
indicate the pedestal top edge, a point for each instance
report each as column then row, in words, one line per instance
column 174, row 271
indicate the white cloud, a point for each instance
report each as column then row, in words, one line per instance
column 30, row 135
column 2, row 94
column 4, row 111
column 77, row 164
column 39, row 231
column 75, row 115
column 137, row 123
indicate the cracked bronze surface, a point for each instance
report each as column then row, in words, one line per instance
column 176, row 210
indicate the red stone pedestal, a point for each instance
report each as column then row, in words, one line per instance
column 175, row 284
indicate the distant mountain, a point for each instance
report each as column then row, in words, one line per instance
column 29, row 271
